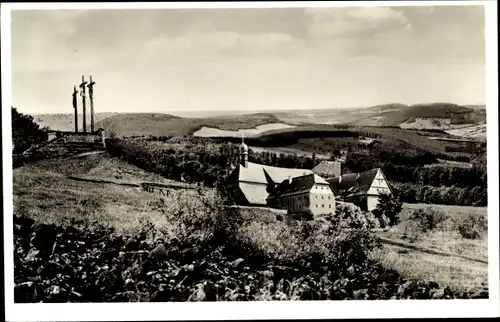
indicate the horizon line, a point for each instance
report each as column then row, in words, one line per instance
column 265, row 110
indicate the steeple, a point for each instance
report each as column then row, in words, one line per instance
column 243, row 152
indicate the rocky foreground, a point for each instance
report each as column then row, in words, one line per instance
column 54, row 264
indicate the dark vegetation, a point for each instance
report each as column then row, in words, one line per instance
column 212, row 259
column 467, row 196
column 422, row 221
column 389, row 207
column 208, row 161
column 25, row 132
column 195, row 159
column 321, row 138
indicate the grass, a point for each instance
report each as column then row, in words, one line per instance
column 446, row 271
column 454, row 272
column 448, row 210
column 99, row 166
column 53, row 199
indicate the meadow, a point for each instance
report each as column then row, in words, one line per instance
column 466, row 263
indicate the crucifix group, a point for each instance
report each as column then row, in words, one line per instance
column 90, row 85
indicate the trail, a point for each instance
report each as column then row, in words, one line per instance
column 428, row 251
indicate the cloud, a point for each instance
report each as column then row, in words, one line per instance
column 219, row 45
column 348, row 22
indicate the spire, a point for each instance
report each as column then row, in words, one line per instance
column 243, row 152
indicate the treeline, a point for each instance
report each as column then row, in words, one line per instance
column 416, row 193
column 25, row 132
column 408, row 167
column 196, row 164
column 210, row 164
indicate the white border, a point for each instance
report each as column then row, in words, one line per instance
column 257, row 310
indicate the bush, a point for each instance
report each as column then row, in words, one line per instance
column 198, row 220
column 389, row 207
column 425, row 220
column 472, row 226
column 348, row 215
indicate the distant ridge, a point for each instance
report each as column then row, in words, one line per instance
column 391, row 115
column 163, row 124
column 158, row 124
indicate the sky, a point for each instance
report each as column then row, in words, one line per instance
column 248, row 59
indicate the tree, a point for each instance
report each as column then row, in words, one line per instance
column 25, row 131
column 389, row 206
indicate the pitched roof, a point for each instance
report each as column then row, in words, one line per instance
column 354, row 183
column 254, row 172
column 330, row 168
column 256, row 194
column 297, row 184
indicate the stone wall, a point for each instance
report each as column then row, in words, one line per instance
column 67, row 144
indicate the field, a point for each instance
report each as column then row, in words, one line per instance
column 291, row 151
column 65, row 122
column 453, row 270
column 474, row 131
column 214, row 132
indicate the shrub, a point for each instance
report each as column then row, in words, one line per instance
column 472, row 226
column 348, row 215
column 388, row 206
column 198, row 220
column 425, row 220
column 337, row 241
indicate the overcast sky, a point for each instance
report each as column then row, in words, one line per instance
column 248, row 59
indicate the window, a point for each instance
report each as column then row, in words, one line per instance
column 316, row 205
column 322, row 205
column 329, row 206
column 322, row 197
column 328, row 197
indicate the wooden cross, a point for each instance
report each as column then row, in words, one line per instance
column 75, row 107
column 82, row 86
column 91, row 97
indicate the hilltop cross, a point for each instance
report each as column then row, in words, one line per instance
column 91, row 98
column 75, row 107
column 82, row 86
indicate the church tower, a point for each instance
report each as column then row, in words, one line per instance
column 243, row 153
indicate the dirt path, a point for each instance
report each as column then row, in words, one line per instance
column 427, row 250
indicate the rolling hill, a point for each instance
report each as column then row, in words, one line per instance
column 157, row 124
column 393, row 115
column 162, row 124
column 65, row 122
